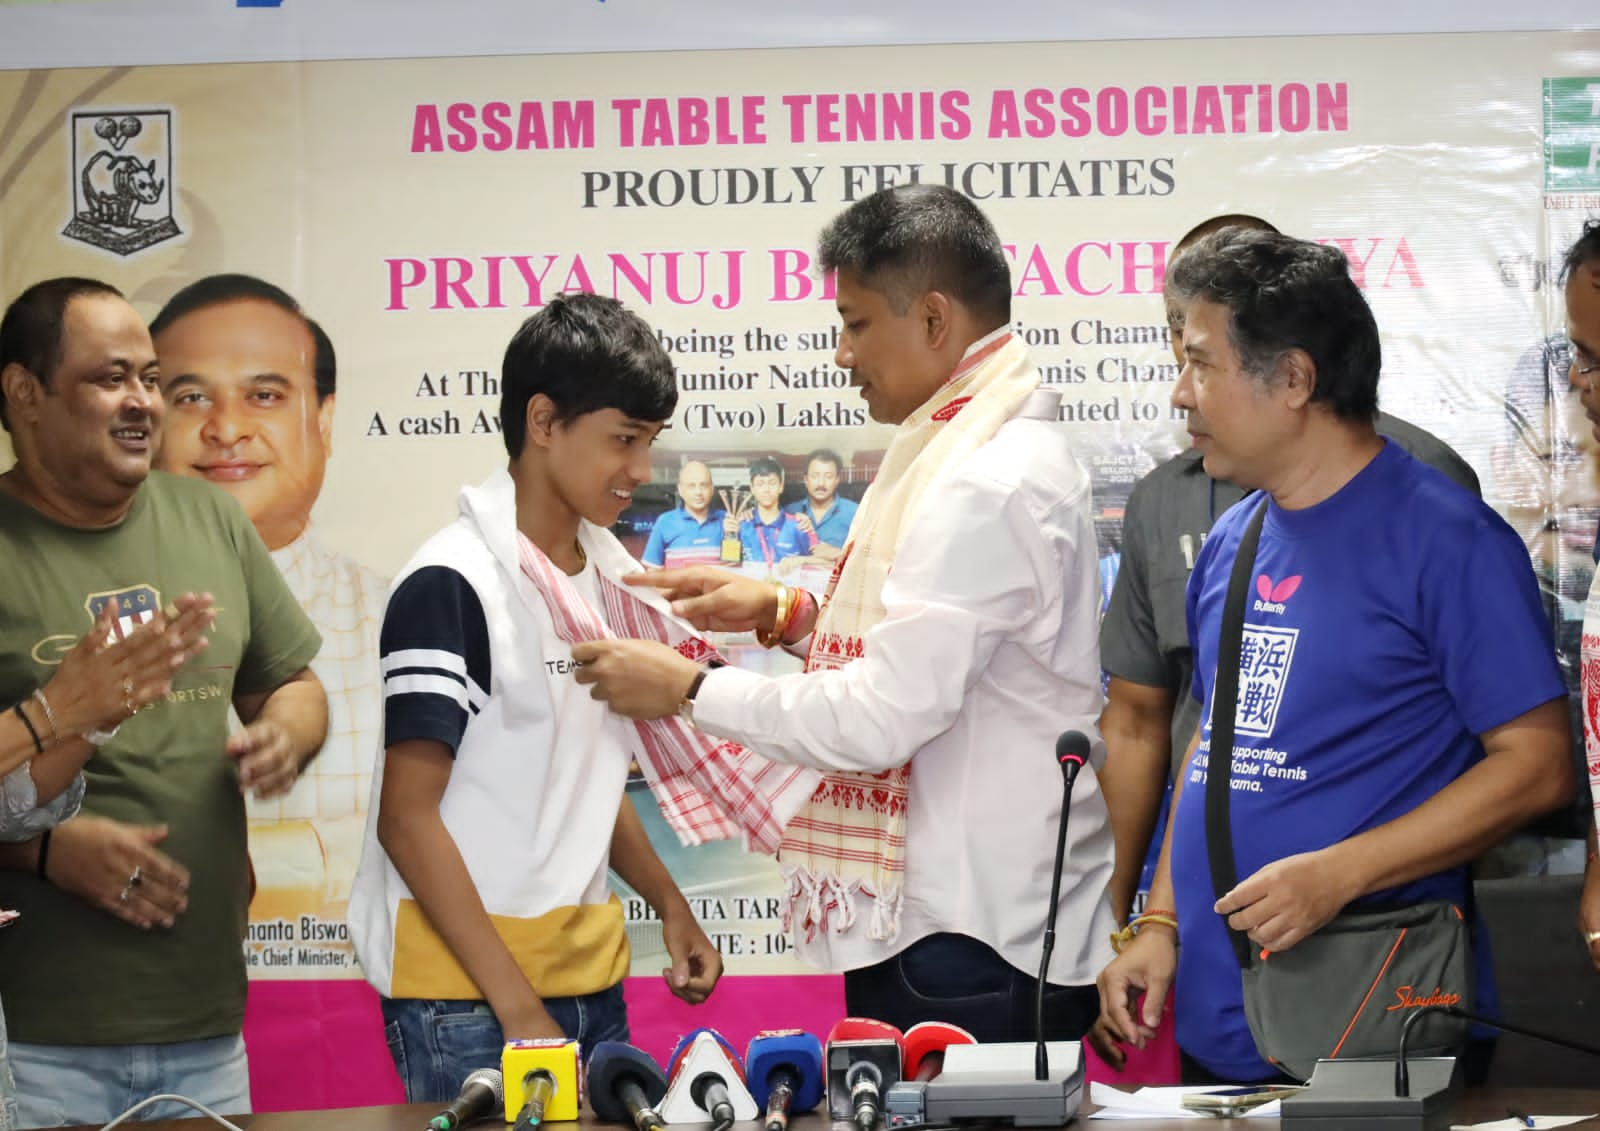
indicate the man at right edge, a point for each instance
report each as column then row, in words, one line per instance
column 1419, row 716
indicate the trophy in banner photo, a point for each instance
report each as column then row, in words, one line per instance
column 736, row 505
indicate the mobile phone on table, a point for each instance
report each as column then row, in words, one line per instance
column 1236, row 1101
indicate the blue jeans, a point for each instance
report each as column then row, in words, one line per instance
column 436, row 1045
column 8, row 1085
column 956, row 978
column 58, row 1085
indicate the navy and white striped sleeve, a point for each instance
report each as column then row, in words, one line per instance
column 435, row 649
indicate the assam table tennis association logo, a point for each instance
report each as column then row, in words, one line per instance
column 122, row 187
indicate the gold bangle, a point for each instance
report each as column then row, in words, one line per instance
column 780, row 619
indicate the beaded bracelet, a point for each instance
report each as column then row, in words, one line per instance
column 38, row 744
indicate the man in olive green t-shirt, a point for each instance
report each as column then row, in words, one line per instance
column 107, row 1011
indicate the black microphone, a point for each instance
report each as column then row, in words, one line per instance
column 481, row 1093
column 1402, row 1076
column 625, row 1084
column 710, row 1091
column 1072, row 751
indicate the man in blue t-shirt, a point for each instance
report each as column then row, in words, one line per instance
column 823, row 512
column 1144, row 642
column 691, row 534
column 770, row 533
column 1399, row 708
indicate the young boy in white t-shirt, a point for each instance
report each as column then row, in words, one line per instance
column 481, row 911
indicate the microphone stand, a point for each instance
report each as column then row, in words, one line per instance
column 1402, row 1076
column 1070, row 764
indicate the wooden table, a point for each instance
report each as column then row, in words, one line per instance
column 1475, row 1107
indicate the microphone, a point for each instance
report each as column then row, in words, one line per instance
column 625, row 1084
column 481, row 1093
column 1072, row 751
column 1361, row 1093
column 864, row 1058
column 1402, row 1076
column 705, row 1067
column 541, row 1078
column 784, row 1070
column 925, row 1045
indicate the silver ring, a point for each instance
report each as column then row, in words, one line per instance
column 136, row 876
column 123, row 898
column 1591, row 936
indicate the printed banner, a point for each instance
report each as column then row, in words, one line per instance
column 419, row 210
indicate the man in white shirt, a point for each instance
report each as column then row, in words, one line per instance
column 956, row 642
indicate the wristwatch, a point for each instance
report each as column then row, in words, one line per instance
column 686, row 705
column 100, row 737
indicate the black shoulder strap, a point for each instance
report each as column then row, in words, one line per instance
column 1224, row 701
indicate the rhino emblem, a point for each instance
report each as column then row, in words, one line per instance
column 121, row 201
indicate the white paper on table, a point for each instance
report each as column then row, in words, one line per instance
column 1162, row 1103
column 1510, row 1123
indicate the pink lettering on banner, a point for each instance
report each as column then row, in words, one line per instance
column 1294, row 108
column 792, row 278
column 1236, row 94
column 1208, row 111
column 906, row 115
column 1152, row 111
column 1393, row 256
column 1149, row 106
column 1091, row 268
column 496, row 126
column 1074, row 269
column 1036, row 272
column 1133, row 267
column 495, row 282
column 662, row 122
column 1111, row 107
column 1075, row 120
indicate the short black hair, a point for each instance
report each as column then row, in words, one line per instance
column 765, row 465
column 30, row 331
column 587, row 353
column 1217, row 223
column 214, row 290
column 1205, row 228
column 906, row 241
column 1584, row 249
column 826, row 455
column 1282, row 294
